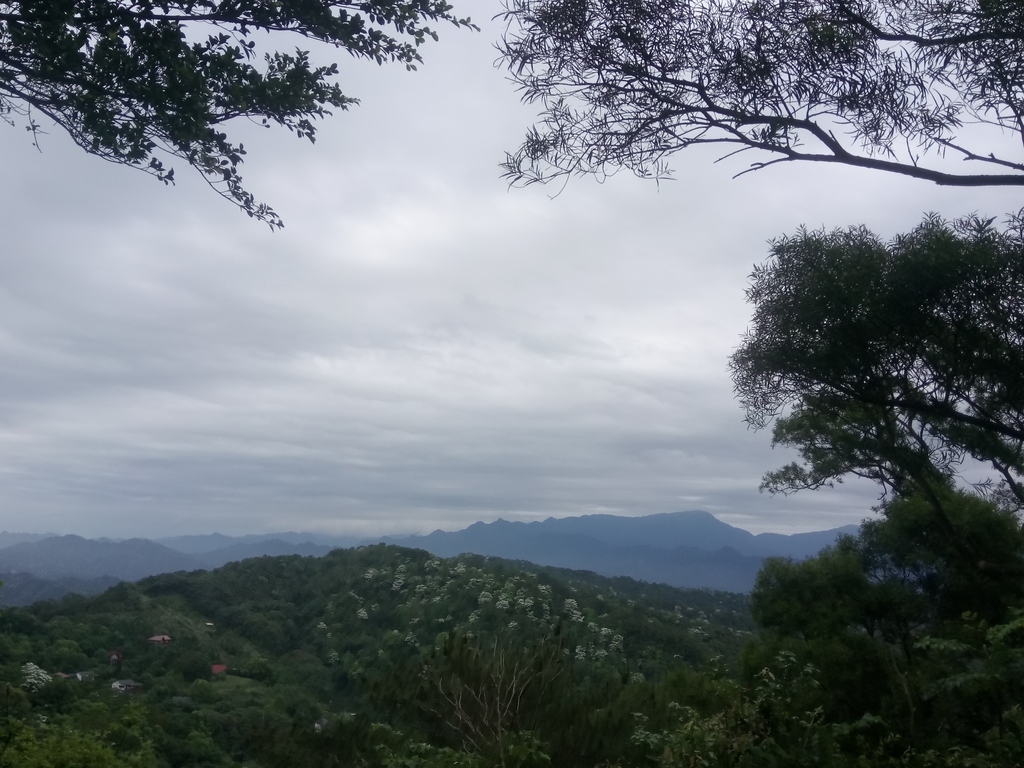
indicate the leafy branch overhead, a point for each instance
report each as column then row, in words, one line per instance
column 133, row 81
column 892, row 85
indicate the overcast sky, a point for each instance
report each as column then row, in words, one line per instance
column 420, row 347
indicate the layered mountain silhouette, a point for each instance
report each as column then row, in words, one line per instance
column 682, row 549
column 52, row 567
column 671, row 530
column 25, row 589
column 211, row 542
column 61, row 557
column 9, row 539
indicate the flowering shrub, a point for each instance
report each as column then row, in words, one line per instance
column 34, row 677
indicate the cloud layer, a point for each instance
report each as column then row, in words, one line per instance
column 421, row 347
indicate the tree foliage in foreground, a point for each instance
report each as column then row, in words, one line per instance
column 135, row 81
column 885, row 650
column 885, row 84
column 892, row 361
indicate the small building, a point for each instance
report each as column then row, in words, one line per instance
column 83, row 677
column 115, row 657
column 126, row 686
column 219, row 669
column 319, row 725
column 160, row 639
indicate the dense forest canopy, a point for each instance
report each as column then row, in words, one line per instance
column 359, row 638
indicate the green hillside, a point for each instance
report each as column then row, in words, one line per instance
column 372, row 656
column 888, row 650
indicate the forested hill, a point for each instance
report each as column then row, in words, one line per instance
column 358, row 635
column 889, row 650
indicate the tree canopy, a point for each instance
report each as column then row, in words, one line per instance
column 135, row 81
column 893, row 361
column 892, row 85
column 376, row 657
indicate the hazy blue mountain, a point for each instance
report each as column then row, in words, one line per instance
column 684, row 549
column 10, row 539
column 24, row 588
column 61, row 557
column 63, row 564
column 697, row 529
column 211, row 542
column 799, row 546
column 192, row 545
column 690, row 567
column 671, row 530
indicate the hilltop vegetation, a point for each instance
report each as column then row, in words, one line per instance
column 891, row 649
column 354, row 640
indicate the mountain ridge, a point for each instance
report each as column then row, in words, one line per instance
column 690, row 549
column 665, row 530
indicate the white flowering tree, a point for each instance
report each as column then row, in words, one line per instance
column 33, row 677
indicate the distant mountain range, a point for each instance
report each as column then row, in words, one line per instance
column 672, row 530
column 47, row 568
column 211, row 542
column 683, row 549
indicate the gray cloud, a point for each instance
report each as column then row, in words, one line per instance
column 420, row 347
